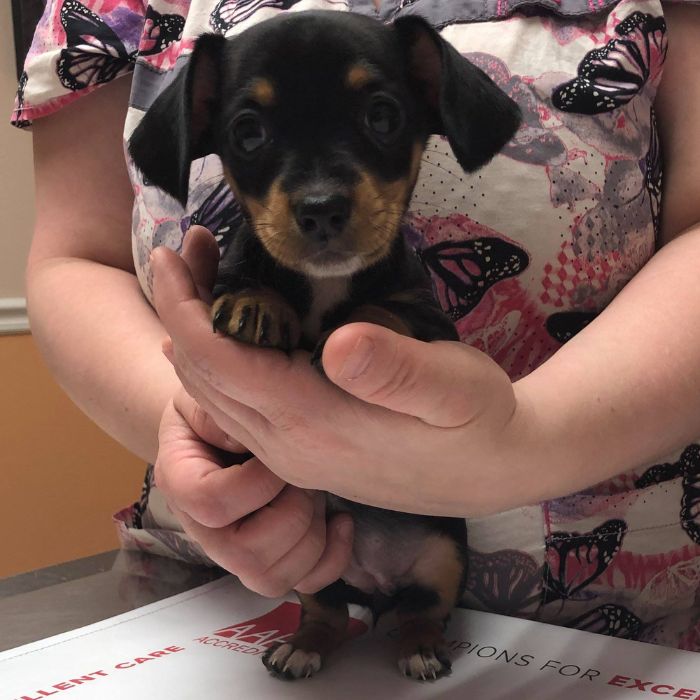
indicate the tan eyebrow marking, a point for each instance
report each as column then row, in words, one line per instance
column 263, row 91
column 358, row 75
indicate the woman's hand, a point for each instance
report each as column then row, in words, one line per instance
column 402, row 424
column 273, row 536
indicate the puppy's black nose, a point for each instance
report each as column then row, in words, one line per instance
column 322, row 217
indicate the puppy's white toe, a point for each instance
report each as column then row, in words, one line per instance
column 292, row 663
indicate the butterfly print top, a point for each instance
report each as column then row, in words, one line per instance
column 522, row 255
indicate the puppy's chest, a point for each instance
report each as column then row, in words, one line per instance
column 327, row 294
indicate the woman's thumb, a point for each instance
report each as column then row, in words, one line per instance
column 201, row 253
column 445, row 384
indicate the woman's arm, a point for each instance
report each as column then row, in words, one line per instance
column 93, row 326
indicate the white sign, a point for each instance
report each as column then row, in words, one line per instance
column 207, row 644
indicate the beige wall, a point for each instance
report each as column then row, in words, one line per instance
column 16, row 174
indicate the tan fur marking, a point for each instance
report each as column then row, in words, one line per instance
column 378, row 208
column 376, row 214
column 439, row 568
column 275, row 227
column 257, row 316
column 322, row 628
column 263, row 92
column 358, row 76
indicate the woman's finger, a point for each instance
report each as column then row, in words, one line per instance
column 239, row 422
column 284, row 575
column 246, row 556
column 191, row 476
column 335, row 558
column 204, row 425
column 279, row 528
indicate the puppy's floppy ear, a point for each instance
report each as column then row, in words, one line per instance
column 463, row 103
column 177, row 127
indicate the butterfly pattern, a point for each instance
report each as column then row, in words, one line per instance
column 94, row 54
column 220, row 213
column 610, row 620
column 160, row 32
column 463, row 271
column 690, row 502
column 229, row 13
column 506, row 582
column 20, row 98
column 575, row 560
column 565, row 325
column 611, row 76
column 652, row 169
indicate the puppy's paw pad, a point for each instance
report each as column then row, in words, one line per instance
column 289, row 663
column 426, row 664
column 259, row 317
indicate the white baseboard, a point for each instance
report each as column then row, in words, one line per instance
column 13, row 315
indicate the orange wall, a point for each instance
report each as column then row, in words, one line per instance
column 61, row 478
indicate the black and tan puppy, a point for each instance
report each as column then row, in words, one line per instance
column 320, row 120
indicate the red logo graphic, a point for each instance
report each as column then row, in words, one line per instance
column 268, row 629
column 256, row 636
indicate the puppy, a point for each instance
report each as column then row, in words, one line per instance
column 320, row 120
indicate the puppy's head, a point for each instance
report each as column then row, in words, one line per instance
column 320, row 120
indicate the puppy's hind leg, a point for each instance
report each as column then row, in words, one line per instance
column 424, row 607
column 323, row 626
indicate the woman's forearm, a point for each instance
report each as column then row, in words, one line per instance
column 102, row 342
column 626, row 390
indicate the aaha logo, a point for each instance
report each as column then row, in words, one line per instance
column 256, row 636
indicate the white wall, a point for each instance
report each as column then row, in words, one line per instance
column 16, row 188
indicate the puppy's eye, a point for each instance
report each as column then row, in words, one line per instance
column 384, row 117
column 248, row 133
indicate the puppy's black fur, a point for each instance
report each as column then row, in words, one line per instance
column 320, row 120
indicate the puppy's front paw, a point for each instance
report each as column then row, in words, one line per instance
column 257, row 316
column 287, row 662
column 426, row 663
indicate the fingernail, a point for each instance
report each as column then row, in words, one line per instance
column 358, row 359
column 345, row 530
column 186, row 238
column 153, row 257
column 167, row 348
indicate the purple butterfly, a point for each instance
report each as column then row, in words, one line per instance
column 95, row 54
column 219, row 212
